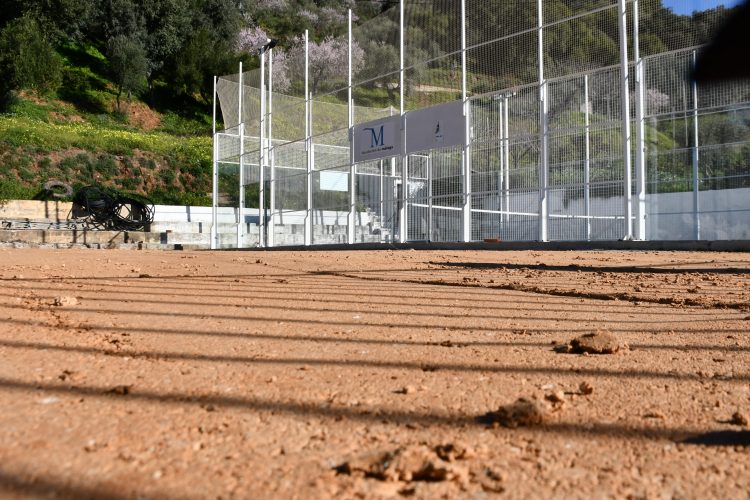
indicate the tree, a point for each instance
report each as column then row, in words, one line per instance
column 202, row 57
column 167, row 24
column 250, row 39
column 68, row 19
column 328, row 62
column 128, row 64
column 27, row 58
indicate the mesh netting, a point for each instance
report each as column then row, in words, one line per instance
column 569, row 150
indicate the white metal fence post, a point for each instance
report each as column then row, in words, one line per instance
column 270, row 155
column 241, row 203
column 352, row 170
column 403, row 213
column 261, row 153
column 640, row 131
column 587, row 158
column 312, row 171
column 466, row 211
column 429, row 198
column 506, row 155
column 696, row 157
column 215, row 179
column 627, row 181
column 543, row 133
column 308, row 148
column 382, row 202
column 501, row 162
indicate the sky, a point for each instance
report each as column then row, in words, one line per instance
column 688, row 6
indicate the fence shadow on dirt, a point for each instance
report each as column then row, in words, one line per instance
column 378, row 414
column 646, row 269
column 48, row 487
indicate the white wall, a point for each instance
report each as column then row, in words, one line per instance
column 164, row 214
column 725, row 215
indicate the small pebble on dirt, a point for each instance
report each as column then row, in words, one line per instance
column 523, row 413
column 409, row 389
column 655, row 414
column 555, row 397
column 454, row 451
column 64, row 301
column 739, row 419
column 586, row 388
column 120, row 390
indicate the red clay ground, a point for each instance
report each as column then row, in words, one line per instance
column 290, row 374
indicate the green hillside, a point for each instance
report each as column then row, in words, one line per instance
column 118, row 92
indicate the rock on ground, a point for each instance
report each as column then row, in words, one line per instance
column 599, row 342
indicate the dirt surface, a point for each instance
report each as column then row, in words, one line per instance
column 127, row 374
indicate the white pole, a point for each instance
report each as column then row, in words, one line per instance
column 382, row 202
column 262, row 156
column 501, row 173
column 506, row 154
column 308, row 146
column 215, row 180
column 241, row 133
column 640, row 131
column 352, row 169
column 587, row 158
column 312, row 168
column 696, row 178
column 466, row 219
column 403, row 229
column 429, row 197
column 627, row 180
column 270, row 153
column 543, row 132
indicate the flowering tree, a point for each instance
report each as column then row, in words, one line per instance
column 657, row 101
column 250, row 40
column 328, row 62
column 269, row 5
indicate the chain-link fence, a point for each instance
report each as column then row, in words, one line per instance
column 581, row 124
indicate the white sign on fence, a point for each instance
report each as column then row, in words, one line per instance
column 377, row 139
column 334, row 181
column 437, row 127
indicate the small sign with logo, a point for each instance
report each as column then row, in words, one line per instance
column 437, row 127
column 377, row 139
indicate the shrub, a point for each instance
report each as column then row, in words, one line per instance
column 11, row 189
column 106, row 166
column 167, row 176
column 27, row 59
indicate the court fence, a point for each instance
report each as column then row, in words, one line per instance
column 548, row 124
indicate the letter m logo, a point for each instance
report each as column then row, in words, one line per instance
column 377, row 137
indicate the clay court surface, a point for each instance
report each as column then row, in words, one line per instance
column 135, row 374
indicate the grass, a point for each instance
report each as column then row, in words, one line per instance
column 17, row 131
